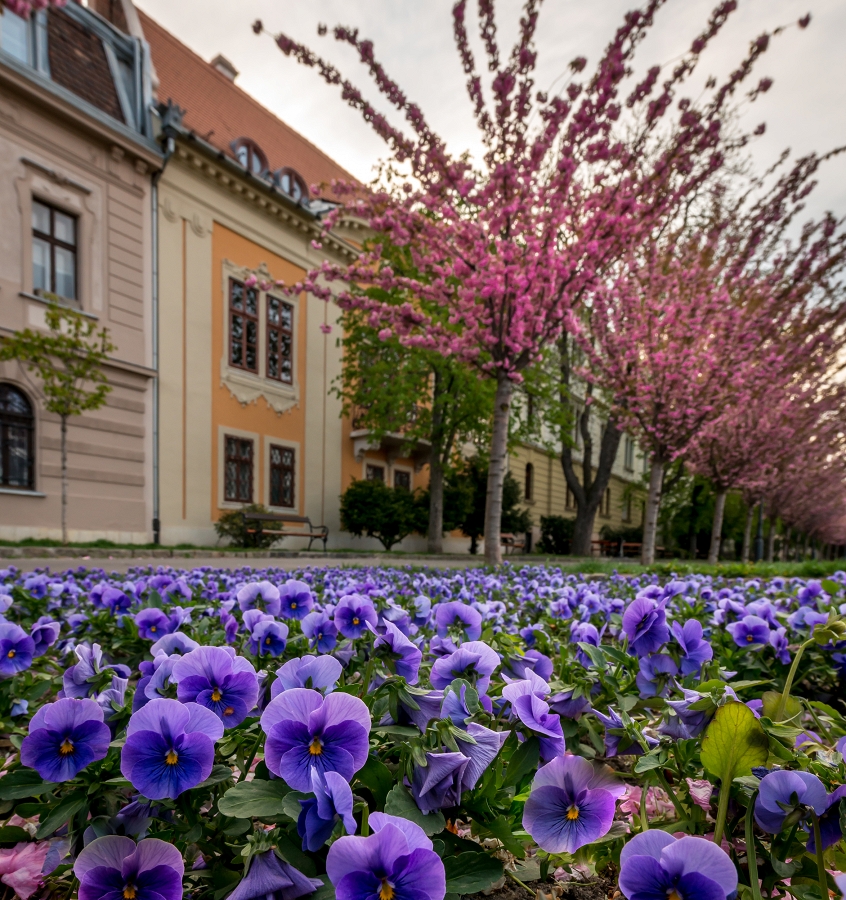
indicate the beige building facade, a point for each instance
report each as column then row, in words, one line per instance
column 77, row 161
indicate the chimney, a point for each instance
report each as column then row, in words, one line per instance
column 222, row 64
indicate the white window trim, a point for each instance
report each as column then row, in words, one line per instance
column 298, row 464
column 246, row 387
column 222, row 432
column 410, row 470
column 369, row 461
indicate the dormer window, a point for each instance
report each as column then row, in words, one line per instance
column 292, row 183
column 250, row 155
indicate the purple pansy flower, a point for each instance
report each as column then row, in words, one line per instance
column 321, row 631
column 750, row 631
column 332, row 802
column 353, row 614
column 645, row 624
column 617, row 742
column 81, row 679
column 269, row 637
column 396, row 862
column 779, row 643
column 572, row 803
column 177, row 642
column 16, row 649
column 400, row 655
column 296, row 599
column 534, row 713
column 656, row 866
column 656, row 670
column 116, row 868
column 456, row 613
column 695, row 651
column 830, row 830
column 474, row 661
column 169, row 747
column 260, row 595
column 320, row 673
column 152, row 624
column 303, row 730
column 44, row 633
column 64, row 737
column 271, row 878
column 784, row 794
column 216, row 678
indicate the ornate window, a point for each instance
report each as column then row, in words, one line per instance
column 238, row 470
column 280, row 340
column 282, row 460
column 16, row 439
column 529, row 487
column 243, row 326
column 54, row 241
column 292, row 183
column 402, row 479
column 374, row 473
column 250, row 155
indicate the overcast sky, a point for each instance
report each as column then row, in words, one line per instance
column 805, row 109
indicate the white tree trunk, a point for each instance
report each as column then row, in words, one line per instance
column 717, row 528
column 64, row 479
column 650, row 519
column 496, row 471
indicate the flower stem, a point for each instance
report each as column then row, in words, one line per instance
column 644, row 822
column 785, row 694
column 248, row 765
column 751, row 858
column 368, row 674
column 672, row 795
column 722, row 811
column 512, row 876
column 821, row 874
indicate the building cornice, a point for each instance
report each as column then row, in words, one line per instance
column 62, row 103
column 212, row 164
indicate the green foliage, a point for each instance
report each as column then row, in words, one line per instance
column 400, row 803
column 468, row 486
column 734, row 743
column 234, row 526
column 253, row 798
column 372, row 508
column 469, row 873
column 625, row 533
column 68, row 360
column 556, row 534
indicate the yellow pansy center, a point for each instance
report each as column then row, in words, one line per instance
column 294, row 605
column 229, row 710
column 674, row 895
column 217, row 694
column 11, row 654
column 315, row 748
column 171, row 758
column 129, row 892
column 749, row 638
column 386, row 892
column 66, row 747
column 573, row 813
column 267, row 641
column 153, row 628
column 355, row 621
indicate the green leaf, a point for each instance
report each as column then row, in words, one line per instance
column 831, row 587
column 769, row 708
column 250, row 799
column 23, row 783
column 398, row 730
column 469, row 873
column 291, row 804
column 400, row 803
column 651, row 761
column 376, row 776
column 69, row 807
column 219, row 774
column 327, row 892
column 734, row 742
column 502, row 829
column 12, row 834
column 523, row 760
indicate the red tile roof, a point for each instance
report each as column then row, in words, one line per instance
column 220, row 112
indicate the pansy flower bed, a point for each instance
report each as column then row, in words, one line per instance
column 407, row 734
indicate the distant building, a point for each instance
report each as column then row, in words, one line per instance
column 77, row 158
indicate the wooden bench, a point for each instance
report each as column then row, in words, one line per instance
column 298, row 525
column 512, row 542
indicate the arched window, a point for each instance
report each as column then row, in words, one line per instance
column 530, row 477
column 291, row 183
column 16, row 443
column 250, row 155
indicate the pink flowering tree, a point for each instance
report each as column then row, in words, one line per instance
column 25, row 8
column 569, row 184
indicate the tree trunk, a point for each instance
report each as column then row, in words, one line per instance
column 653, row 505
column 435, row 537
column 691, row 528
column 717, row 528
column 747, row 534
column 496, row 470
column 771, row 534
column 64, row 479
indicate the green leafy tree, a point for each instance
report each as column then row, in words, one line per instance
column 67, row 360
column 416, row 394
column 373, row 509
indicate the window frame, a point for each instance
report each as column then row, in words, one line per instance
column 254, row 152
column 247, row 317
column 628, row 454
column 529, row 482
column 373, row 467
column 605, row 505
column 240, row 439
column 54, row 242
column 271, row 467
column 405, row 473
column 10, row 419
column 280, row 332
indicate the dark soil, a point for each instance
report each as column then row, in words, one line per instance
column 598, row 889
